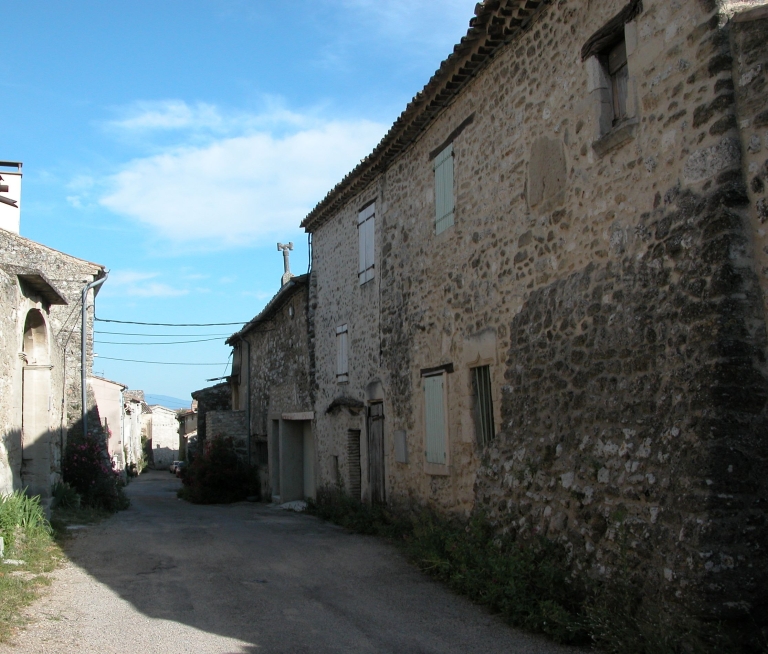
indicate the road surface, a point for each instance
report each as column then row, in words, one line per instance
column 166, row 576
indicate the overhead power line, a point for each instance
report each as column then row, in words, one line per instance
column 164, row 363
column 200, row 340
column 172, row 324
column 98, row 331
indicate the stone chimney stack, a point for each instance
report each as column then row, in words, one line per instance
column 287, row 275
column 10, row 196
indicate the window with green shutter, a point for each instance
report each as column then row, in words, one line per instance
column 434, row 394
column 444, row 204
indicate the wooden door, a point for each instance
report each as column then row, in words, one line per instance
column 376, row 452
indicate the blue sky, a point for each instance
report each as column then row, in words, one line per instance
column 176, row 141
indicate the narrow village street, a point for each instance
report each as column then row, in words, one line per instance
column 167, row 576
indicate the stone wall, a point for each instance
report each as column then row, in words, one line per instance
column 278, row 344
column 229, row 424
column 610, row 284
column 213, row 398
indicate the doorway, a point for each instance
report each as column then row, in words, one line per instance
column 297, row 460
column 376, row 452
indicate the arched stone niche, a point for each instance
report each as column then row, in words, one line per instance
column 36, row 401
column 374, row 391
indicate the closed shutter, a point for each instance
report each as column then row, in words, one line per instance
column 342, row 355
column 353, row 463
column 481, row 381
column 365, row 234
column 444, row 204
column 435, row 410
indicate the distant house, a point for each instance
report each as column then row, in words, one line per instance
column 109, row 400
column 187, row 429
column 162, row 433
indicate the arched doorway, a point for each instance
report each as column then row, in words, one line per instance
column 36, row 399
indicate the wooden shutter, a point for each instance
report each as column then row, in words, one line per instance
column 353, row 462
column 342, row 355
column 365, row 234
column 444, row 204
column 435, row 413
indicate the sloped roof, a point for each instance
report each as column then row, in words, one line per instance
column 496, row 23
column 286, row 291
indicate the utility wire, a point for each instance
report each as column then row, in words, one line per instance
column 98, row 331
column 201, row 340
column 173, row 324
column 162, row 363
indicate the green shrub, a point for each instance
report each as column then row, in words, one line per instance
column 218, row 476
column 65, row 497
column 21, row 519
column 88, row 469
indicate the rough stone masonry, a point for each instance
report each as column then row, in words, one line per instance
column 612, row 275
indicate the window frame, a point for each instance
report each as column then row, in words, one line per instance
column 366, row 230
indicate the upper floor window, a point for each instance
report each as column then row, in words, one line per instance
column 615, row 61
column 342, row 354
column 444, row 201
column 365, row 232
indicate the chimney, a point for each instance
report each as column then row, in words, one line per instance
column 10, row 195
column 287, row 275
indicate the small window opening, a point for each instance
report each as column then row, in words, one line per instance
column 616, row 62
column 481, row 387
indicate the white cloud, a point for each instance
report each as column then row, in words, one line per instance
column 139, row 284
column 238, row 189
column 179, row 116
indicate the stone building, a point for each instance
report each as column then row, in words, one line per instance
column 542, row 296
column 133, row 408
column 40, row 344
column 108, row 395
column 213, row 398
column 161, row 430
column 272, row 392
column 187, row 429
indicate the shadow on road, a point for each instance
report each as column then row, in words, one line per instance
column 279, row 581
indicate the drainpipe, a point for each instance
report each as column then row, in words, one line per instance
column 84, row 322
column 248, row 397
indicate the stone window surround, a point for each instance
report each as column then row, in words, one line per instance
column 608, row 136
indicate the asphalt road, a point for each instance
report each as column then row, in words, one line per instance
column 166, row 576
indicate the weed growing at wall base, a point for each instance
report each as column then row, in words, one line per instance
column 29, row 545
column 529, row 585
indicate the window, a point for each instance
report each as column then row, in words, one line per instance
column 444, row 204
column 481, row 390
column 342, row 355
column 616, row 64
column 365, row 231
column 434, row 398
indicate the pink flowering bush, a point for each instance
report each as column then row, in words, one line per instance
column 88, row 469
